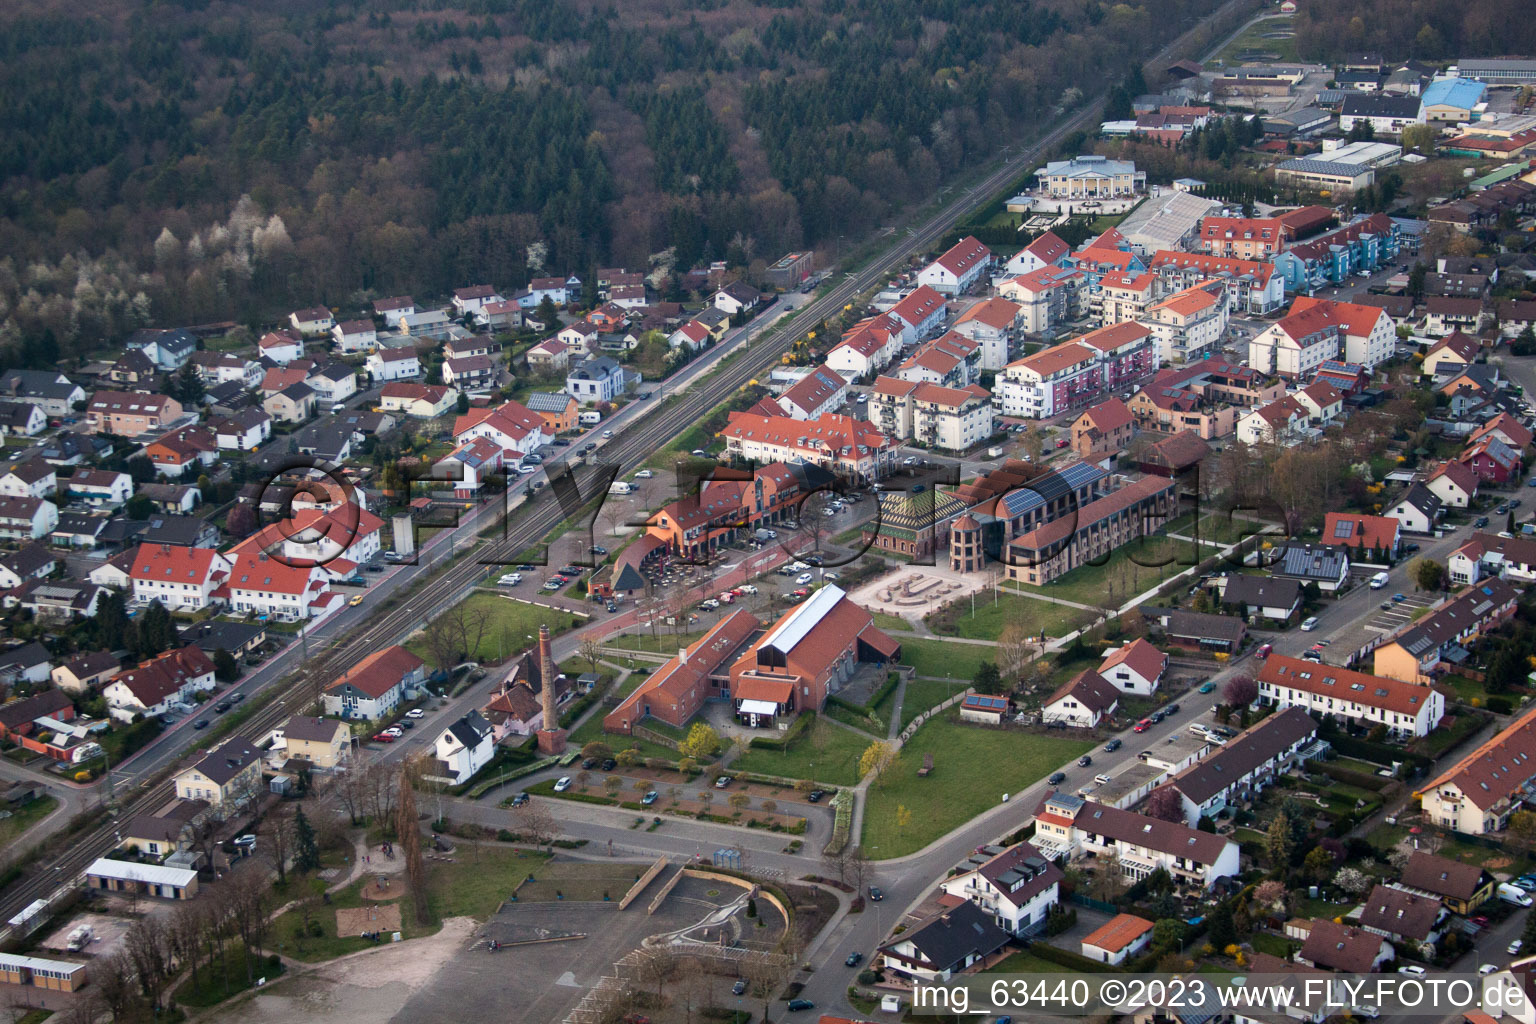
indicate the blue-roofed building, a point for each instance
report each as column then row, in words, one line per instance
column 1452, row 99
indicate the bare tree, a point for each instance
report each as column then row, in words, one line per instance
column 591, row 651
column 767, row 979
column 535, row 822
column 111, row 978
column 470, row 625
column 352, row 789
column 185, row 934
column 409, row 832
column 692, row 987
column 442, row 639
column 148, row 947
column 657, row 964
column 280, row 839
column 249, row 891
column 1013, row 650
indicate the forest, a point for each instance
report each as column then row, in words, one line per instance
column 1434, row 31
column 189, row 161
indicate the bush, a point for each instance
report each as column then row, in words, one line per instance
column 794, row 732
column 1499, row 705
column 1076, row 961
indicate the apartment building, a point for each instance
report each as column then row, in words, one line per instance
column 1070, row 825
column 1253, row 287
column 1098, row 528
column 954, row 419
column 1189, row 324
column 1417, row 654
column 1248, row 764
column 1478, row 793
column 1053, row 380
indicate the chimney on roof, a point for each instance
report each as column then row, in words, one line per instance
column 547, row 679
column 682, row 655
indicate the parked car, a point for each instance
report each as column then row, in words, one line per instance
column 415, row 713
column 1143, row 725
column 1264, row 651
column 1309, row 624
column 796, row 1005
column 1171, row 709
column 648, row 799
column 1399, row 598
column 803, row 578
column 1207, row 687
column 815, row 795
column 1482, row 521
column 588, row 764
column 609, row 764
column 1057, row 778
column 562, row 784
column 1412, row 969
column 740, row 987
column 747, row 588
column 1112, row 746
column 520, row 799
column 722, row 782
column 854, row 959
column 383, row 737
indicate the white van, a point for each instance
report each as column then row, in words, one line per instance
column 621, row 487
column 589, row 418
column 1514, row 894
column 1378, row 581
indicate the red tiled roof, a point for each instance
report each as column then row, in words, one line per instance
column 1140, row 657
column 170, row 563
column 1353, row 319
column 1109, row 415
column 1118, row 932
column 1186, row 303
column 1048, row 248
column 996, row 312
column 1117, row 336
column 1345, row 685
column 379, row 672
column 1056, row 358
column 964, row 255
column 919, row 306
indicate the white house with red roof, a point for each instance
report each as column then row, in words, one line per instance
column 180, row 578
column 1253, row 287
column 1046, row 251
column 922, row 314
column 1507, row 429
column 469, row 465
column 282, row 347
column 1082, row 702
column 392, row 309
column 389, row 364
column 941, row 417
column 269, row 585
column 950, row 360
column 958, row 269
column 994, row 325
column 312, row 322
column 868, row 347
column 692, row 335
column 821, row 390
column 339, row 537
column 1367, row 335
column 467, row 301
column 1323, row 401
column 1279, row 422
column 550, row 355
column 1454, row 484
column 421, row 401
column 159, row 684
column 1137, row 668
column 512, row 426
column 374, row 686
column 1300, row 342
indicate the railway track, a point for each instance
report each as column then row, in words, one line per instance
column 630, row 449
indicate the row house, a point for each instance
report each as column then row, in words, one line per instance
column 1253, row 287
column 1487, row 555
column 1406, row 710
column 958, row 269
column 1070, row 825
column 180, row 578
column 354, row 336
column 950, row 360
column 1243, row 768
column 954, row 419
column 1366, row 244
column 1097, row 529
column 511, row 425
column 849, row 448
column 130, row 413
column 1478, row 793
column 1188, row 324
column 1047, row 298
column 868, row 347
column 1053, row 380
column 994, row 325
column 1418, row 653
column 258, row 583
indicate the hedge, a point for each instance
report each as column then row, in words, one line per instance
column 800, row 725
column 842, row 823
column 891, row 679
column 484, row 786
column 1066, row 958
column 1350, row 777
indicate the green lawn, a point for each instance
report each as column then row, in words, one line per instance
column 511, row 624
column 1216, row 527
column 923, row 694
column 861, row 722
column 1274, row 945
column 973, row 768
column 991, row 615
column 234, row 972
column 592, row 729
column 1253, row 39
column 1025, row 962
column 885, row 621
column 665, row 642
column 940, row 659
column 1089, row 584
column 825, row 752
column 14, row 827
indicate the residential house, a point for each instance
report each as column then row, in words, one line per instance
column 154, row 687
column 51, row 391
column 1454, row 484
column 215, row 368
column 1244, row 238
column 1136, row 669
column 500, row 316
column 333, row 383
column 313, row 322
column 353, row 336
column 1493, row 460
column 227, row 779
column 471, row 300
column 1046, row 251
column 1417, row 510
column 950, row 360
column 1320, row 564
column 868, row 348
column 392, row 309
column 281, row 347
column 1052, row 381
column 1124, row 298
column 420, row 401
column 1107, row 426
column 242, row 431
column 1386, row 114
column 1047, row 298
column 958, row 269
column 1278, row 600
column 1121, row 937
column 176, row 499
column 29, row 662
column 557, row 409
column 293, row 404
column 598, row 379
column 922, row 314
column 736, row 297
column 1017, row 887
column 389, row 364
column 427, row 325
column 85, row 673
column 130, row 413
column 1363, row 245
column 374, row 686
column 167, row 349
column 27, row 518
column 511, row 425
column 33, row 478
column 1410, row 921
column 549, row 356
column 1082, row 702
column 1451, row 354
column 166, row 831
column 1486, row 555
column 1461, row 887
column 1069, row 825
column 1240, row 770
column 470, row 373
column 943, row 946
column 464, row 748
column 1367, row 336
column 1515, row 315
column 1364, row 535
column 994, row 325
column 470, row 465
column 1324, row 403
column 821, row 390
column 1442, row 315
column 21, row 419
column 1253, row 287
column 1295, row 346
column 1282, row 422
column 1189, row 324
column 180, row 578
column 1406, row 710
column 1173, row 456
column 1507, row 429
column 1344, row 948
column 182, row 451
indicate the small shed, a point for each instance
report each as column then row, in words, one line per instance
column 984, row 709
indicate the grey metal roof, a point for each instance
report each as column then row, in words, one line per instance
column 1308, row 165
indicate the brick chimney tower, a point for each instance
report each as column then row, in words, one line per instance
column 551, row 737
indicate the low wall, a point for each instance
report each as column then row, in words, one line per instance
column 641, row 882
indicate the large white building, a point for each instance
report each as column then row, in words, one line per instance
column 1478, row 793
column 180, row 578
column 1188, row 324
column 850, row 448
column 958, row 269
column 1051, row 381
column 1091, row 177
column 1296, row 345
column 951, row 418
column 1017, row 888
column 1406, row 709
